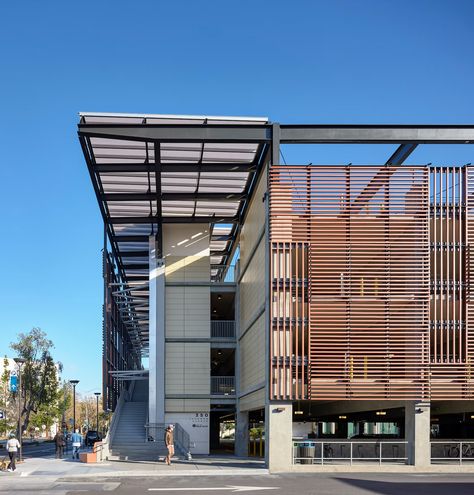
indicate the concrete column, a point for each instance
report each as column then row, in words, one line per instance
column 279, row 436
column 242, row 433
column 417, row 433
column 156, row 405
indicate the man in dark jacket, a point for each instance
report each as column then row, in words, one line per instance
column 60, row 443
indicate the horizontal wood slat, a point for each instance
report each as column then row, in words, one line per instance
column 388, row 281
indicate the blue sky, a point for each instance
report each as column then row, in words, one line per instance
column 296, row 62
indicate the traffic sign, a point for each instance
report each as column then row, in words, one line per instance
column 2, row 415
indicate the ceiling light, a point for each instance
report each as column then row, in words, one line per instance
column 342, row 417
column 381, row 413
column 298, row 412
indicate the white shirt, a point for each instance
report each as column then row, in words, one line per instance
column 13, row 445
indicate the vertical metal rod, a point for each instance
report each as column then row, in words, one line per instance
column 434, row 275
column 460, row 253
column 467, row 255
column 280, row 313
column 296, row 247
column 303, row 323
column 290, row 322
column 441, row 287
column 285, row 275
column 446, row 296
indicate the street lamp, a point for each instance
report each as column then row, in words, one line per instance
column 97, row 395
column 74, row 383
column 19, row 361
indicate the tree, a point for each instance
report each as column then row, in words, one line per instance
column 39, row 375
column 6, row 404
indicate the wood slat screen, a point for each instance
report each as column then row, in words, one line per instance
column 450, row 236
column 367, row 232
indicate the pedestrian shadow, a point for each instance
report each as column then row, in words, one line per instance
column 411, row 488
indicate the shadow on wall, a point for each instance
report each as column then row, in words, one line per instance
column 434, row 487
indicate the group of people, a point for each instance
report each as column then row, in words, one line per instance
column 60, row 443
column 13, row 446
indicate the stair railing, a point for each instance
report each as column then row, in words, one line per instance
column 125, row 396
column 155, row 432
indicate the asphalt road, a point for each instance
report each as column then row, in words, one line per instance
column 300, row 484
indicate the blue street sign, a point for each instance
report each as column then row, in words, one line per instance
column 2, row 415
column 13, row 383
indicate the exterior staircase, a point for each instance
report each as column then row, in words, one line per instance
column 129, row 441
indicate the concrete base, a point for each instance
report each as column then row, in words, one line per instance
column 279, row 431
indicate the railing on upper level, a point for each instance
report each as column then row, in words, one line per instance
column 222, row 385
column 223, row 329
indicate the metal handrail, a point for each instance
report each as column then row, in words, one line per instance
column 222, row 385
column 155, row 432
column 125, row 394
column 326, row 451
column 224, row 329
column 463, row 451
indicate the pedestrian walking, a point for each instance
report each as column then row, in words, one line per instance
column 169, row 442
column 12, row 448
column 60, row 442
column 76, row 439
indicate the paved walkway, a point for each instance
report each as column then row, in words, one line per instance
column 54, row 469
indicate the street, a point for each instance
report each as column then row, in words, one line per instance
column 301, row 484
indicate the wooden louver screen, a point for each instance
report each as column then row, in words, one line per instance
column 367, row 232
column 380, row 305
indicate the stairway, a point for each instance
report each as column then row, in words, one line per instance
column 129, row 442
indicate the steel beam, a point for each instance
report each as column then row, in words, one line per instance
column 207, row 196
column 173, row 167
column 377, row 134
column 155, row 220
column 401, row 154
column 130, row 238
column 196, row 133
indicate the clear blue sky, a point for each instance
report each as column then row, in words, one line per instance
column 321, row 62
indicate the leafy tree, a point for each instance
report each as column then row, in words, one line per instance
column 5, row 399
column 39, row 375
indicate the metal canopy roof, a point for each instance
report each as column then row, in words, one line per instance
column 143, row 183
column 153, row 169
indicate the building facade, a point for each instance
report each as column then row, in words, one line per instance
column 320, row 301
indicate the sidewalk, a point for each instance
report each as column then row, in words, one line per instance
column 55, row 469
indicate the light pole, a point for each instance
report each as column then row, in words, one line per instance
column 74, row 383
column 97, row 395
column 19, row 361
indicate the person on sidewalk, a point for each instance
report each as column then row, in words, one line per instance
column 76, row 439
column 12, row 448
column 169, row 442
column 60, row 443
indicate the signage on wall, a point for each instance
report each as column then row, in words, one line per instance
column 200, row 420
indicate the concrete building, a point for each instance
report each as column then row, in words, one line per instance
column 327, row 304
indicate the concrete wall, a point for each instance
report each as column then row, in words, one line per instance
column 187, row 320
